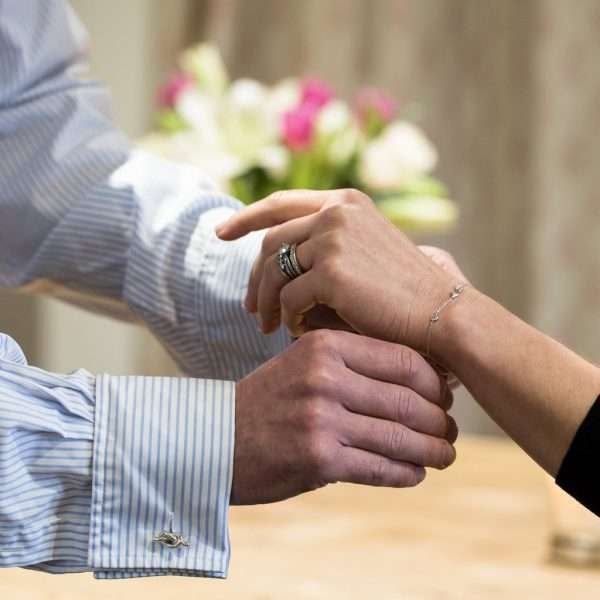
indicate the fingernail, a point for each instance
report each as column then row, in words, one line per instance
column 452, row 431
column 451, row 456
column 221, row 228
column 420, row 475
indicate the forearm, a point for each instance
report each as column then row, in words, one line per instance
column 536, row 389
column 86, row 218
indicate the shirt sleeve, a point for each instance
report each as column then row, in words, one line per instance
column 93, row 469
column 575, row 473
column 86, row 217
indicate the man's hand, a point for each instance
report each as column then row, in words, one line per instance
column 336, row 406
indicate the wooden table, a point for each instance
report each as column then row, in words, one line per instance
column 478, row 530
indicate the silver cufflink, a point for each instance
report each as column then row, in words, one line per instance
column 170, row 539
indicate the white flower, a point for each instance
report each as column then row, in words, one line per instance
column 337, row 131
column 283, row 97
column 188, row 147
column 334, row 118
column 274, row 160
column 246, row 122
column 200, row 112
column 246, row 94
column 205, row 63
column 399, row 154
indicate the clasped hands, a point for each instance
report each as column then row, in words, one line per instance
column 352, row 399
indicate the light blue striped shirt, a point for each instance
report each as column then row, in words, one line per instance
column 92, row 468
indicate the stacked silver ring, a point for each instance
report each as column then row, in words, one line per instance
column 288, row 262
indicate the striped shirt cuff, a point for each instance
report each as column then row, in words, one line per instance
column 163, row 457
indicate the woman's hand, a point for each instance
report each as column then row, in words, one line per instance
column 355, row 262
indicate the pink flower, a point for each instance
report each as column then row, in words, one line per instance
column 315, row 93
column 299, row 126
column 375, row 103
column 170, row 91
column 299, row 123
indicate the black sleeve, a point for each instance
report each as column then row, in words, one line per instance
column 578, row 472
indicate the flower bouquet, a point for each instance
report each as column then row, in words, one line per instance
column 253, row 140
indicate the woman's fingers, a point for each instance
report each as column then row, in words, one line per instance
column 297, row 299
column 273, row 210
column 269, row 289
column 295, row 231
column 277, row 295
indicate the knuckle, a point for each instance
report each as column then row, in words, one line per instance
column 378, row 472
column 404, row 406
column 405, row 359
column 352, row 196
column 337, row 215
column 317, row 457
column 318, row 343
column 269, row 243
column 331, row 269
column 319, row 380
column 396, row 439
column 333, row 243
column 313, row 417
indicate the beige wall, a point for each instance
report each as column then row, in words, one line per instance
column 566, row 236
column 19, row 319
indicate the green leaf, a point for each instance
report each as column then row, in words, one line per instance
column 170, row 121
column 424, row 186
column 420, row 213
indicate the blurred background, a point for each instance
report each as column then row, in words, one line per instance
column 508, row 91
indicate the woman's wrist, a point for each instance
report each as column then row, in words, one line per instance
column 537, row 390
column 459, row 327
column 429, row 294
